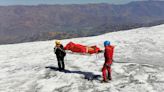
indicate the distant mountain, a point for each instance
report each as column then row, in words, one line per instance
column 42, row 22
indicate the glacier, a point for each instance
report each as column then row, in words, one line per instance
column 138, row 64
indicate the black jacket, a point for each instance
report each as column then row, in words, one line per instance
column 59, row 51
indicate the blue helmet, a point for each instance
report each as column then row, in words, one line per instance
column 106, row 43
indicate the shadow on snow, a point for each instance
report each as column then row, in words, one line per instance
column 87, row 75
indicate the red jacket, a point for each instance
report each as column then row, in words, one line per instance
column 109, row 54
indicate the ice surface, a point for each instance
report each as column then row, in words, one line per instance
column 138, row 66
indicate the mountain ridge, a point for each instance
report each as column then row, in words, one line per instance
column 44, row 22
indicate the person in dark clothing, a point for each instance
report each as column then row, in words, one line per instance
column 60, row 54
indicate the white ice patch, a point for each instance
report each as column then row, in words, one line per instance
column 138, row 57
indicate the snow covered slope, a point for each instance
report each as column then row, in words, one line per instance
column 138, row 66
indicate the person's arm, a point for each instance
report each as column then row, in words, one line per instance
column 55, row 48
column 62, row 48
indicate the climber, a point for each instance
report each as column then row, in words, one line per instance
column 60, row 54
column 108, row 55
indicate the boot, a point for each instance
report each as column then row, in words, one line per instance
column 104, row 81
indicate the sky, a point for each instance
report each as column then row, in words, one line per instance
column 36, row 2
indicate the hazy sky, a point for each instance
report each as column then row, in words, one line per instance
column 35, row 2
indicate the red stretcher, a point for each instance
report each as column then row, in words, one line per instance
column 78, row 48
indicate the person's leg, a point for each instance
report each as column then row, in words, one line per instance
column 109, row 73
column 104, row 73
column 63, row 65
column 59, row 63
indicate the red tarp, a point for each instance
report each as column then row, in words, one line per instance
column 81, row 48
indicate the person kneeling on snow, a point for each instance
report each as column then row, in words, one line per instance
column 60, row 54
column 108, row 54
